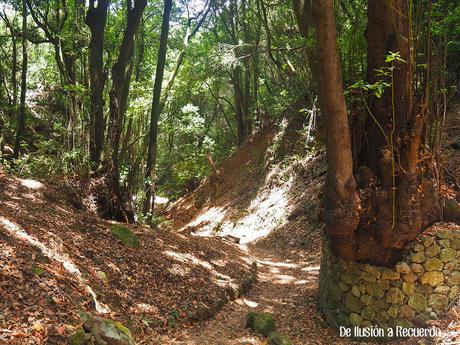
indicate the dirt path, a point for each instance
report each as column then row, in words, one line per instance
column 286, row 288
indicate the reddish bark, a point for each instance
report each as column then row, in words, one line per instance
column 396, row 196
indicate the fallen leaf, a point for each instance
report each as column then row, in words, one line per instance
column 38, row 326
column 20, row 335
column 62, row 330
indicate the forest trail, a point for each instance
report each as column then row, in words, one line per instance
column 275, row 204
column 278, row 217
column 272, row 211
column 286, row 288
column 152, row 289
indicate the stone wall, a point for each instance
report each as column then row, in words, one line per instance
column 419, row 288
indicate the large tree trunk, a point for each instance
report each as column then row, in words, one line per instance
column 396, row 196
column 155, row 113
column 399, row 185
column 341, row 201
column 22, row 107
column 96, row 19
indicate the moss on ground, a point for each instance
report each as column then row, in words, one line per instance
column 126, row 236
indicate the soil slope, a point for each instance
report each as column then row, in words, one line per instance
column 57, row 259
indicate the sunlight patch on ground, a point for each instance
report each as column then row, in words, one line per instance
column 277, row 264
column 179, row 270
column 100, row 308
column 219, row 263
column 224, row 281
column 189, row 259
column 207, row 220
column 274, row 270
column 144, row 308
column 31, row 184
column 19, row 233
column 244, row 301
column 310, row 268
column 266, row 212
column 284, row 279
column 301, row 282
column 247, row 340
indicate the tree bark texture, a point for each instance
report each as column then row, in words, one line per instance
column 373, row 210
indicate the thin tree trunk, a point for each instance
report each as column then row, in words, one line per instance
column 14, row 59
column 14, row 68
column 189, row 33
column 96, row 19
column 22, row 108
column 239, row 106
column 268, row 33
column 341, row 200
column 120, row 76
column 155, row 113
column 140, row 51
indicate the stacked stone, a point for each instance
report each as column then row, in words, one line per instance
column 419, row 288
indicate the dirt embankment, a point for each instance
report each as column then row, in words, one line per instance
column 57, row 260
column 267, row 192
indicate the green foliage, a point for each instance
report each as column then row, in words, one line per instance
column 52, row 165
column 394, row 56
column 376, row 88
column 102, row 276
column 257, row 43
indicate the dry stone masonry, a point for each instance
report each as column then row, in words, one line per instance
column 419, row 288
